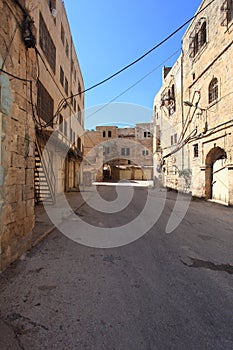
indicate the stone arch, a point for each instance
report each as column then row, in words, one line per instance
column 214, row 154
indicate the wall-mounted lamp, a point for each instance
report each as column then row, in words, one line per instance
column 190, row 104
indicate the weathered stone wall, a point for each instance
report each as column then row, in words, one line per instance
column 66, row 59
column 133, row 139
column 17, row 123
column 207, row 123
column 212, row 122
column 17, row 137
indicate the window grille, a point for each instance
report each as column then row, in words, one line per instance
column 45, row 104
column 198, row 37
column 213, row 90
column 46, row 44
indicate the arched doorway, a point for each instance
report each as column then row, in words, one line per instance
column 214, row 173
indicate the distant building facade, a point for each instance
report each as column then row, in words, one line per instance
column 194, row 141
column 126, row 152
column 39, row 73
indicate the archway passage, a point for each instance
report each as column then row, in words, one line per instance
column 215, row 154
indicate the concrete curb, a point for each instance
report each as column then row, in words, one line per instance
column 53, row 227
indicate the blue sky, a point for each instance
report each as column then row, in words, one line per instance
column 110, row 34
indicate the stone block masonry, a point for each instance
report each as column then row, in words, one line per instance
column 17, row 133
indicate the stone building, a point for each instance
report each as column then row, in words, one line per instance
column 126, row 152
column 59, row 76
column 39, row 71
column 203, row 122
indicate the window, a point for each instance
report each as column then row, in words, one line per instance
column 213, row 90
column 229, row 10
column 147, row 134
column 175, row 138
column 67, row 49
column 71, row 98
column 198, row 37
column 65, row 128
column 62, row 34
column 46, row 44
column 52, row 5
column 79, row 88
column 66, row 86
column 202, row 34
column 74, row 137
column 75, row 104
column 60, row 123
column 106, row 150
column 79, row 116
column 172, row 140
column 74, row 74
column 125, row 151
column 71, row 135
column 61, row 76
column 104, row 134
column 79, row 143
column 109, row 133
column 145, row 152
column 195, row 150
column 45, row 104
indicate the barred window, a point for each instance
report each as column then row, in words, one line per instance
column 45, row 104
column 46, row 44
column 198, row 37
column 213, row 90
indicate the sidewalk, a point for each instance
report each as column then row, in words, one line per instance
column 43, row 224
column 10, row 337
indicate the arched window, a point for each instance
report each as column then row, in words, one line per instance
column 213, row 90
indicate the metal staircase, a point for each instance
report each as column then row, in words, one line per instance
column 44, row 175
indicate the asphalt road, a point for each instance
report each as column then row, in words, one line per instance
column 163, row 291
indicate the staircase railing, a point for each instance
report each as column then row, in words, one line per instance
column 47, row 165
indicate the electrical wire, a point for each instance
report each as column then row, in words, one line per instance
column 139, row 58
column 14, row 76
column 133, row 85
